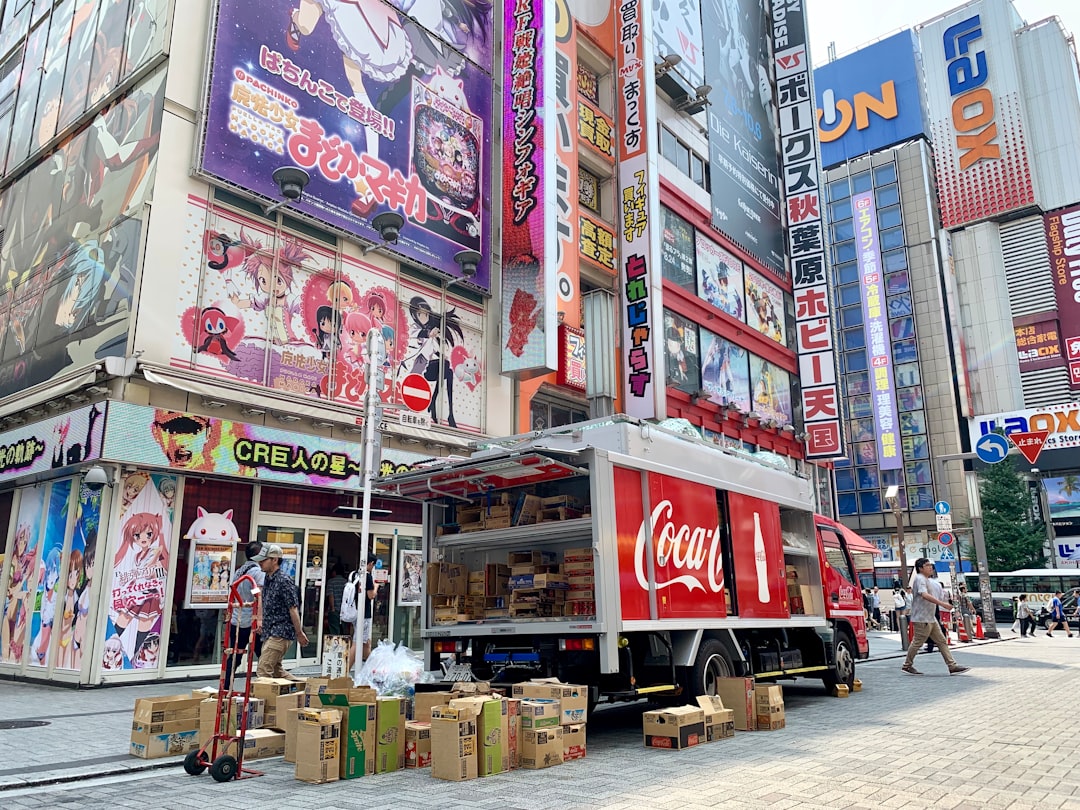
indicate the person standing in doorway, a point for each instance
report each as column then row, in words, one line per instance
column 927, row 597
column 335, row 591
column 280, row 626
column 239, row 627
column 1057, row 616
column 365, row 621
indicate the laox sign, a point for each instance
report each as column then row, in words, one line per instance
column 681, row 547
column 973, row 104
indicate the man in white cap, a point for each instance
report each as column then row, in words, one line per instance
column 280, row 625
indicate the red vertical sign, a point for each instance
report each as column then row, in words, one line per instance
column 758, row 552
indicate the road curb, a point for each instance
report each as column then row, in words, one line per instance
column 79, row 777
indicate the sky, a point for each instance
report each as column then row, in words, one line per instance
column 854, row 23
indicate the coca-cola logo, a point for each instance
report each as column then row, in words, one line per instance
column 693, row 549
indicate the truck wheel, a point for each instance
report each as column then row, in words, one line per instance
column 843, row 671
column 712, row 662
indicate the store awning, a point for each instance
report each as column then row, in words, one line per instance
column 856, row 543
column 465, row 479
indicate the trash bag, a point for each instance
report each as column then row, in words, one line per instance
column 391, row 670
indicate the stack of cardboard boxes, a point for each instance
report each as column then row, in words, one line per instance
column 489, row 591
column 494, row 513
column 581, row 577
column 553, row 718
column 686, row 726
column 165, row 726
column 769, row 703
column 559, row 507
column 448, row 584
column 719, row 721
column 537, row 589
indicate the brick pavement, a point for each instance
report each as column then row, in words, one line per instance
column 987, row 739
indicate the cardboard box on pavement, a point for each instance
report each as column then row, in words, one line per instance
column 318, row 745
column 573, row 699
column 768, row 694
column 719, row 722
column 513, row 717
column 492, row 732
column 573, row 742
column 737, row 694
column 536, row 713
column 424, row 701
column 453, row 743
column 267, row 689
column 260, row 743
column 676, row 728
column 230, row 720
column 291, row 726
column 390, row 734
column 541, row 747
column 166, row 709
column 152, row 746
column 417, row 744
column 357, row 755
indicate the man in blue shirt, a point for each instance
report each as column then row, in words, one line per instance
column 1057, row 616
column 280, row 625
column 927, row 597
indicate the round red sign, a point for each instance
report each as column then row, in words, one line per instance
column 416, row 392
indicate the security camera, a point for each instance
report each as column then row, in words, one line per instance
column 388, row 224
column 468, row 260
column 291, row 180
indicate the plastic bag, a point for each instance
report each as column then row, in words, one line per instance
column 391, row 670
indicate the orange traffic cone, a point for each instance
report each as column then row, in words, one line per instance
column 978, row 627
column 961, row 630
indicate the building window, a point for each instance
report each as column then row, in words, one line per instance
column 847, row 273
column 854, row 339
column 686, row 160
column 850, row 294
column 884, row 175
column 894, row 260
column 844, row 252
column 843, row 230
column 889, row 195
column 839, row 190
column 861, row 182
column 892, row 238
column 547, row 413
column 840, row 210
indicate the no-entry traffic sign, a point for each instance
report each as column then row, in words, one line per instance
column 416, row 392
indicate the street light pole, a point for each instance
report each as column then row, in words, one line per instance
column 900, row 540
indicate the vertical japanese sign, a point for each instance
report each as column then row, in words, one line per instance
column 638, row 240
column 1038, row 344
column 806, row 243
column 1063, row 243
column 876, row 326
column 530, row 245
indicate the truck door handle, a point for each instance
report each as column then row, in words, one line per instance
column 834, row 596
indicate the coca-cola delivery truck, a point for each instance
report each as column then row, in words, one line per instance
column 636, row 560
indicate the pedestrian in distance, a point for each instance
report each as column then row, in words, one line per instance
column 875, row 606
column 1057, row 616
column 365, row 631
column 928, row 595
column 967, row 613
column 900, row 601
column 281, row 625
column 1025, row 617
column 335, row 591
column 239, row 628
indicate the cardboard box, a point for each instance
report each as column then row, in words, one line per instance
column 268, row 689
column 768, row 694
column 260, row 743
column 541, row 747
column 537, row 713
column 770, row 721
column 153, row 746
column 513, row 717
column 573, row 699
column 168, row 727
column 584, row 554
column 811, row 600
column 282, row 703
column 424, row 701
column 492, row 731
column 578, row 569
column 526, row 510
column 719, row 722
column 165, row 709
column 230, row 720
column 447, row 579
column 291, row 725
column 581, row 595
column 357, row 751
column 676, row 728
column 417, row 744
column 519, row 581
column 737, row 694
column 390, row 734
column 573, row 742
column 453, row 744
column 580, row 581
column 318, row 686
column 318, row 745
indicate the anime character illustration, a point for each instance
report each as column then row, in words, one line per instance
column 75, row 579
column 113, row 657
column 716, row 374
column 133, row 485
column 50, row 577
column 216, row 326
column 466, row 367
column 167, row 490
column 763, row 299
column 187, row 440
column 18, row 594
column 71, row 653
column 83, row 288
column 77, row 452
column 146, row 657
column 273, row 286
column 435, row 337
column 328, row 331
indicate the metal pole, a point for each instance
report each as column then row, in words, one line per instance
column 376, row 350
column 975, row 505
column 900, row 541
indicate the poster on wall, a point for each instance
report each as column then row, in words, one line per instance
column 720, row 278
column 765, row 307
column 411, row 579
column 677, row 249
column 213, row 538
column 72, row 227
column 140, row 572
column 386, row 111
column 22, row 560
column 771, row 391
column 50, row 585
column 79, row 578
column 742, row 129
column 725, row 371
column 288, row 313
column 681, row 356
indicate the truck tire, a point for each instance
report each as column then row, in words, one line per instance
column 843, row 671
column 712, row 662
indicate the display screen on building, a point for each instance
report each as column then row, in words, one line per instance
column 976, row 113
column 386, row 112
column 869, row 100
column 742, row 129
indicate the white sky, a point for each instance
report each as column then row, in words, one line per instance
column 854, row 23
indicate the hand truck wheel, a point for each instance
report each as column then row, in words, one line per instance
column 224, row 768
column 194, row 764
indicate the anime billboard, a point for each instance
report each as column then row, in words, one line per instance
column 72, row 229
column 387, row 110
column 273, row 309
column 21, row 561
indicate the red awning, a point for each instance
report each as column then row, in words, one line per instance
column 470, row 478
column 856, row 542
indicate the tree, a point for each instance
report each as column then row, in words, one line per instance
column 1014, row 539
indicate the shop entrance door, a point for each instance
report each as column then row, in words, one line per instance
column 303, row 560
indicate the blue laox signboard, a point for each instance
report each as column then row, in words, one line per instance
column 386, row 112
column 869, row 99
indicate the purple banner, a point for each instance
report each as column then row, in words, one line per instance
column 875, row 325
column 384, row 111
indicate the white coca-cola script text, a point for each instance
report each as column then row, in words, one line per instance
column 693, row 549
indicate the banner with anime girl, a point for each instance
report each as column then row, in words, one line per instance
column 79, row 579
column 140, row 576
column 22, row 557
column 49, row 585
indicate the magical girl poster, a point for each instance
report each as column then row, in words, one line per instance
column 386, row 106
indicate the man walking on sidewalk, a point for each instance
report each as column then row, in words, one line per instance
column 281, row 615
column 926, row 599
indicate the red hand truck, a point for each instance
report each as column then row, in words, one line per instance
column 224, row 766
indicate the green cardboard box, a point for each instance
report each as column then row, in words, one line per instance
column 357, row 757
column 390, row 735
